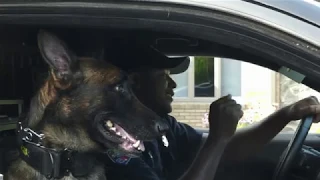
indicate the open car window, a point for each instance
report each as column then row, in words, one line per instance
column 259, row 90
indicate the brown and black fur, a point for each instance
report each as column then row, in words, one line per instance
column 75, row 92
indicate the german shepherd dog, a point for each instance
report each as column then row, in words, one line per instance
column 85, row 107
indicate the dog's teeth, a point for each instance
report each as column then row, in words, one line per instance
column 123, row 137
column 118, row 133
column 136, row 144
column 139, row 148
column 113, row 129
column 109, row 123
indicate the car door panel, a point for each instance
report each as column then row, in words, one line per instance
column 262, row 164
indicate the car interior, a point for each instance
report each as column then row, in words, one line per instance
column 22, row 70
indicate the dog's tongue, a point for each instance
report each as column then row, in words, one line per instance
column 124, row 133
column 131, row 140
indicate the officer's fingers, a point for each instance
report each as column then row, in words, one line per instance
column 224, row 106
column 309, row 101
column 315, row 99
column 235, row 109
column 241, row 114
column 222, row 99
column 316, row 118
column 310, row 110
column 226, row 103
column 216, row 103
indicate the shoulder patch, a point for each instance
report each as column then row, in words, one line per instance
column 117, row 157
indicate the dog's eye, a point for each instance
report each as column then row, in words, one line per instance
column 119, row 88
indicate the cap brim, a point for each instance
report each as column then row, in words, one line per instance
column 134, row 56
column 180, row 66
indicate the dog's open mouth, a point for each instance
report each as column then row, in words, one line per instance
column 128, row 143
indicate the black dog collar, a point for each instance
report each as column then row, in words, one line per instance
column 50, row 162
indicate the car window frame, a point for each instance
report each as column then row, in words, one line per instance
column 217, row 25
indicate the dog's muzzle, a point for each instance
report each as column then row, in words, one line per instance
column 96, row 128
column 105, row 131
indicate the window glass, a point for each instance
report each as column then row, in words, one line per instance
column 182, row 84
column 204, row 77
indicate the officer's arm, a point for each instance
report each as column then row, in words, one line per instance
column 189, row 142
column 249, row 140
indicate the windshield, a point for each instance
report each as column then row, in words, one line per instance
column 313, row 2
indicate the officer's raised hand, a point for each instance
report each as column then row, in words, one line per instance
column 223, row 118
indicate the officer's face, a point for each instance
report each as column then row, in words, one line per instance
column 154, row 88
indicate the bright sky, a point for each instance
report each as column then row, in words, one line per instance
column 314, row 2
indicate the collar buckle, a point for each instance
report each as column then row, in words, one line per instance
column 32, row 136
column 28, row 135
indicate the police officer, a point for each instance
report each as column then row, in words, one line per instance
column 169, row 158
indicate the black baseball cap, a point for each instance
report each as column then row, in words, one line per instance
column 131, row 56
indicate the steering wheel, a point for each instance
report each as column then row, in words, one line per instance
column 293, row 148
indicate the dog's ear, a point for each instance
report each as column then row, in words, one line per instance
column 55, row 52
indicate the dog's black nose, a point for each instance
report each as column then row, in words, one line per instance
column 162, row 127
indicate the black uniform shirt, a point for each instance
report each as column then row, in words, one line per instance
column 157, row 161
